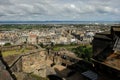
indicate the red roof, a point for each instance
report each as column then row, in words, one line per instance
column 33, row 35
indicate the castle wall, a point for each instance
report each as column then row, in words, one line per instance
column 34, row 63
column 99, row 45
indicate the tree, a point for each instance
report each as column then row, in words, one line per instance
column 52, row 44
column 84, row 52
column 41, row 45
column 7, row 44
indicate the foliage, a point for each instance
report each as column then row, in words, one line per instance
column 24, row 26
column 84, row 52
column 13, row 52
column 52, row 44
column 7, row 44
column 57, row 47
column 41, row 45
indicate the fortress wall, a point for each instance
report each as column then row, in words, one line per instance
column 33, row 62
column 98, row 46
column 38, row 62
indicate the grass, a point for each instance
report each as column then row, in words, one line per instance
column 68, row 47
column 12, row 52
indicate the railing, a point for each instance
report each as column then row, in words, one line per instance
column 117, row 44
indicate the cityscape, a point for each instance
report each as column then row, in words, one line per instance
column 60, row 51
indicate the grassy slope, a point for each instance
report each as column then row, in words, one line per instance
column 8, row 53
column 68, row 47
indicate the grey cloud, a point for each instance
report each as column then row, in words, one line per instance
column 2, row 15
column 22, row 9
column 106, row 10
column 61, row 9
column 5, row 2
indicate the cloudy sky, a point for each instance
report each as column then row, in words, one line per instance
column 44, row 10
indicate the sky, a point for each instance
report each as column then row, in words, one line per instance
column 60, row 10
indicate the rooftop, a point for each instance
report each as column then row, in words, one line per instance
column 102, row 36
column 105, row 33
column 116, row 28
column 113, row 61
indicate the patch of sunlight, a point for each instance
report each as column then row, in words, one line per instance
column 12, row 52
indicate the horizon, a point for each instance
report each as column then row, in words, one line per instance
column 62, row 20
column 59, row 22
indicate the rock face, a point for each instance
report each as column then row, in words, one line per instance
column 38, row 62
column 5, row 74
column 26, row 76
column 35, row 63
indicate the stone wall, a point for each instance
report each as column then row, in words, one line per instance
column 39, row 62
column 99, row 45
column 17, row 67
column 17, row 47
column 8, row 48
column 35, row 63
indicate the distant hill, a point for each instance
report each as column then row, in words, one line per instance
column 59, row 22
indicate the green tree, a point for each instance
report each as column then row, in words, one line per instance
column 84, row 52
column 41, row 45
column 7, row 44
column 52, row 44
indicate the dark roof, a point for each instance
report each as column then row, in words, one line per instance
column 90, row 74
column 102, row 36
